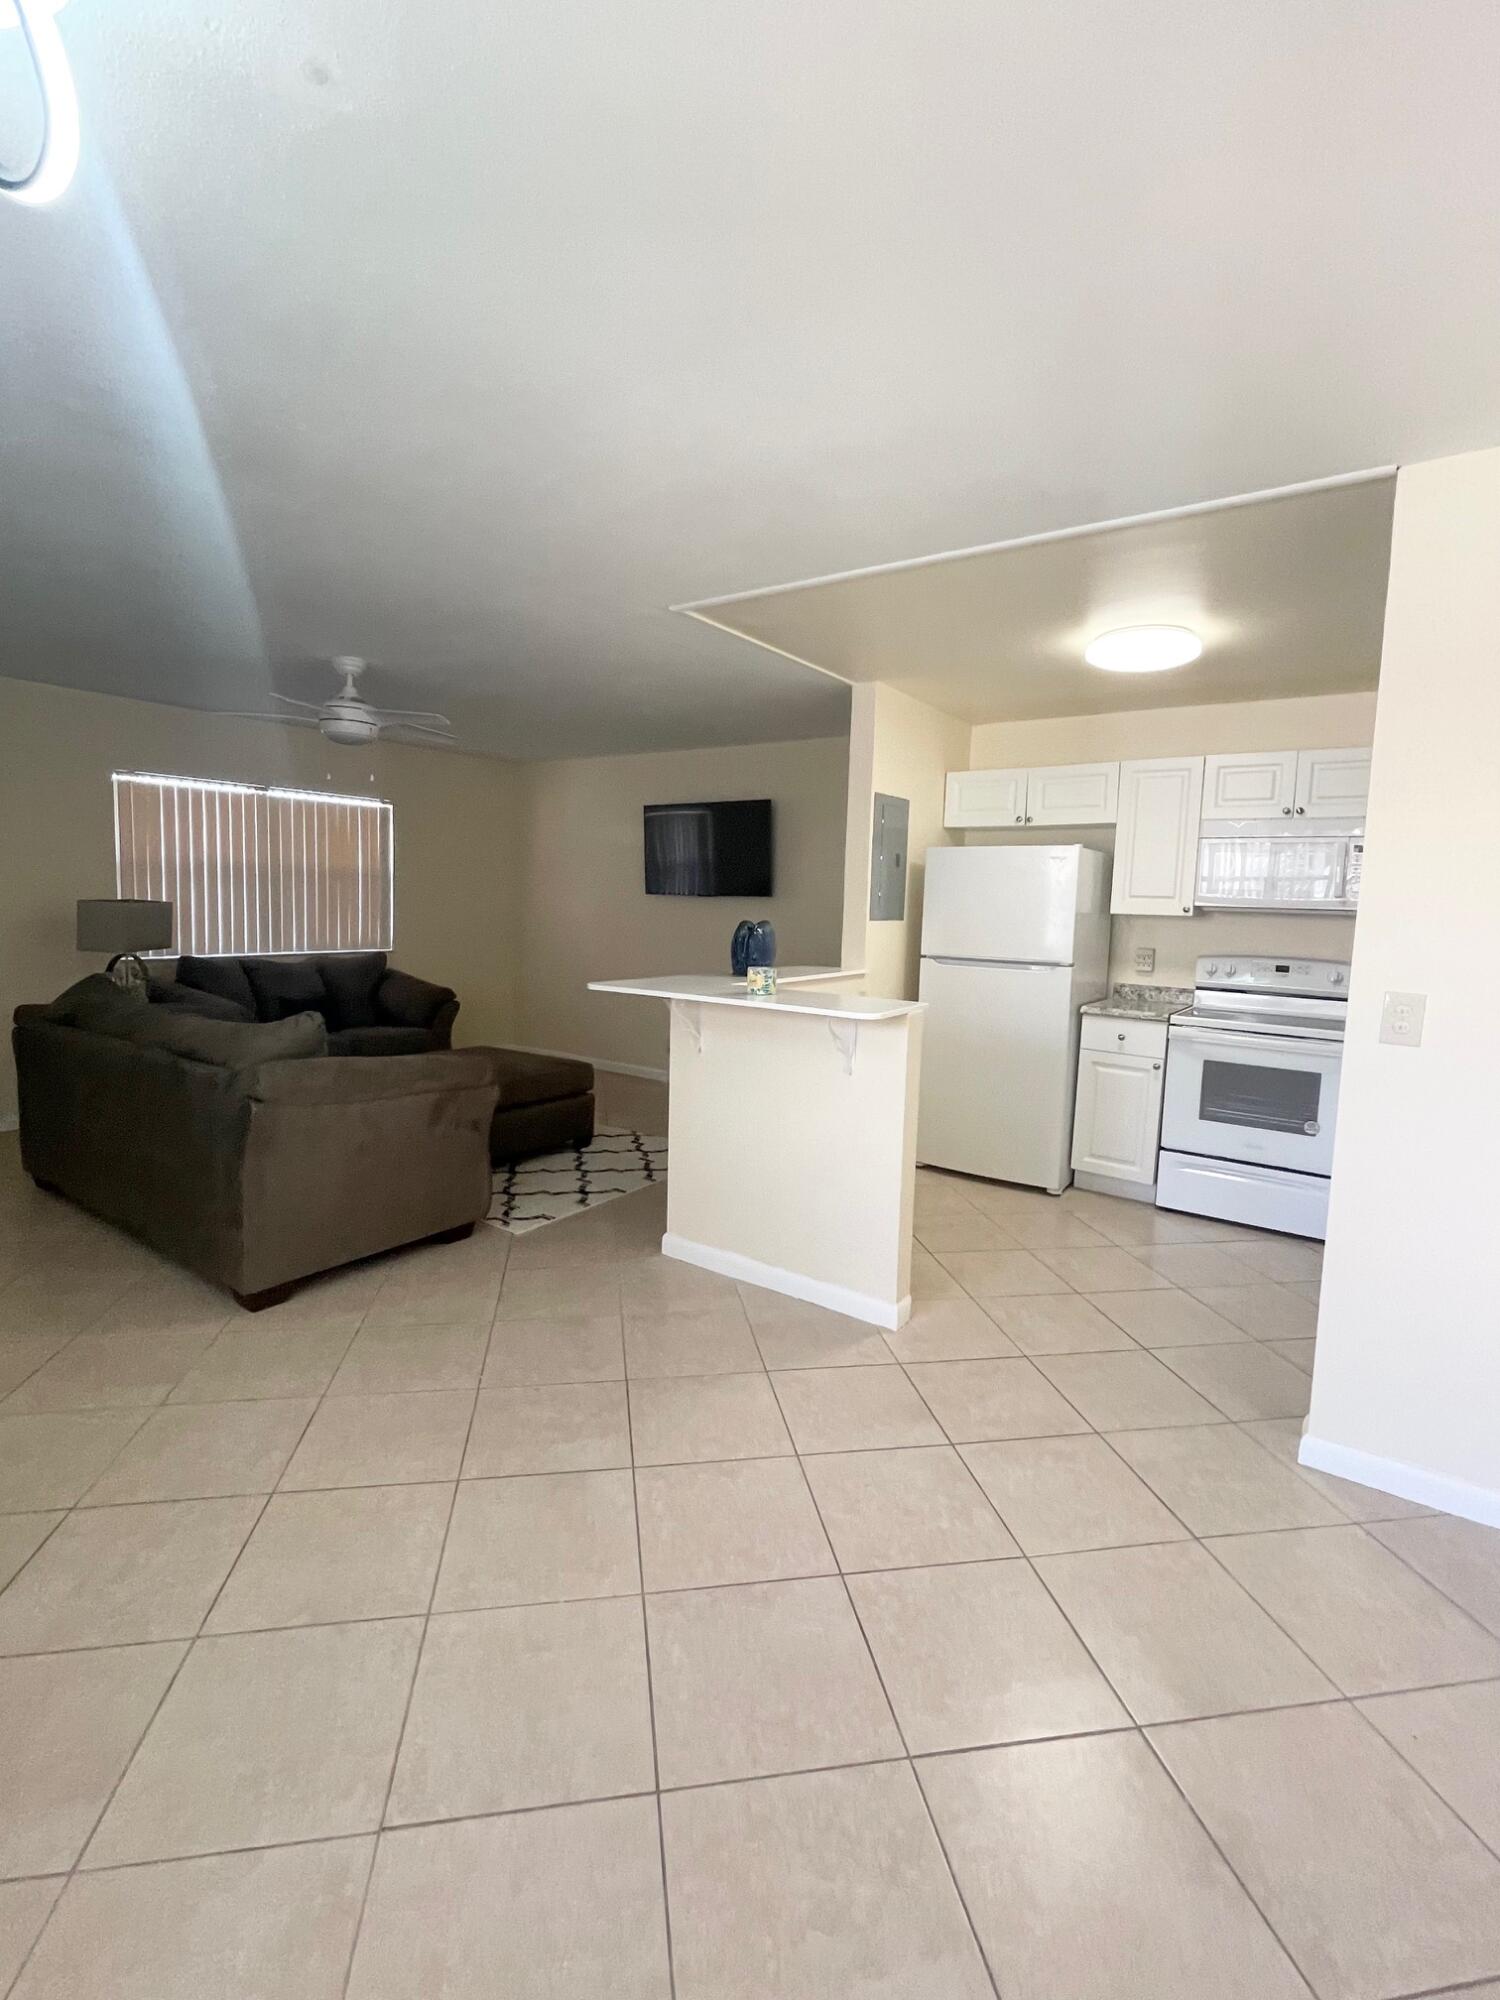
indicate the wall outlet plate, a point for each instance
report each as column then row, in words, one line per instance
column 1145, row 958
column 1401, row 1017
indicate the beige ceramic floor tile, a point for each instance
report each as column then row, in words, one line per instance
column 60, row 1296
column 568, row 1427
column 337, row 1298
column 1130, row 1223
column 948, row 1330
column 789, row 1333
column 254, row 1359
column 273, row 1925
column 1371, row 1623
column 1000, row 1274
column 1373, row 1884
column 539, row 1705
column 743, row 1521
column 651, row 1286
column 563, row 1349
column 1089, row 1879
column 383, row 1440
column 977, row 1652
column 567, row 1292
column 1312, row 1289
column 763, row 1677
column 540, row 1539
column 1197, row 1264
column 893, row 1509
column 960, row 1229
column 391, row 1354
column 1046, row 1225
column 24, row 1908
column 978, row 1400
column 1175, row 1635
column 21, row 1535
column 1117, row 1392
column 809, row 1887
column 1062, row 1323
column 856, row 1409
column 52, row 1461
column 928, row 1278
column 69, row 1725
column 1283, row 1259
column 1301, row 1353
column 1220, row 1482
column 706, row 1417
column 21, row 1354
column 201, row 1451
column 1460, row 1557
column 1449, row 1735
column 564, row 1904
column 1107, row 1269
column 355, row 1552
column 1281, row 1438
column 114, row 1371
column 117, row 1575
column 1065, row 1493
column 1167, row 1319
column 1269, row 1312
column 1242, row 1379
column 717, row 1341
column 266, row 1737
column 169, row 1299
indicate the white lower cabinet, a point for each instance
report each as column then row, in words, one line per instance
column 1117, row 1117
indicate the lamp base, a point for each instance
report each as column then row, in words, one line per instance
column 127, row 968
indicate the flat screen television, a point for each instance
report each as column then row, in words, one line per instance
column 721, row 847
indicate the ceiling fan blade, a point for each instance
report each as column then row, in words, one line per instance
column 256, row 715
column 415, row 715
column 397, row 729
column 292, row 701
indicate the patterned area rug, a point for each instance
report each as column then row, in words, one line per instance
column 558, row 1184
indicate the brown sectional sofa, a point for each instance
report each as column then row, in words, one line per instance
column 369, row 1007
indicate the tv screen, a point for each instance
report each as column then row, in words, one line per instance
column 718, row 848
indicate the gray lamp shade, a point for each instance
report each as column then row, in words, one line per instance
column 119, row 924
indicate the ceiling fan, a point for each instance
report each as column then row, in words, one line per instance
column 349, row 719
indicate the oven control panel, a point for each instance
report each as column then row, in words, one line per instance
column 1321, row 978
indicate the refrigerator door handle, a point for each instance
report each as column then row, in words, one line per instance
column 1014, row 964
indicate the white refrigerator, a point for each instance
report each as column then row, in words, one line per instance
column 1014, row 941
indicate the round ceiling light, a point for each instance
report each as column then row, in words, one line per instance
column 57, row 158
column 1143, row 649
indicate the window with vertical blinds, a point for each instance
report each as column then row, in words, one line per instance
column 253, row 869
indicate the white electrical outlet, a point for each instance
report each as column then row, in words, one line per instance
column 1401, row 1019
column 1145, row 958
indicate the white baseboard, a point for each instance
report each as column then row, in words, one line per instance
column 614, row 1068
column 750, row 1271
column 1407, row 1482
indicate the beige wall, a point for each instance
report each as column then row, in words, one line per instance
column 1316, row 722
column 457, row 894
column 586, row 914
column 905, row 748
column 1408, row 1367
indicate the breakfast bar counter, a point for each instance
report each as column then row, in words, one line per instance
column 792, row 1135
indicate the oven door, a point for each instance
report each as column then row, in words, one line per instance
column 1270, row 1100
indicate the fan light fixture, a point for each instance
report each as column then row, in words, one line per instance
column 57, row 159
column 1143, row 649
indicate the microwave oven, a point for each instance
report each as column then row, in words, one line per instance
column 1267, row 865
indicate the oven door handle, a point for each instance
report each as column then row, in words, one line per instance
column 1227, row 1038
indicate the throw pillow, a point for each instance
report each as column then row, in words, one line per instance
column 285, row 986
column 96, row 1002
column 192, row 1000
column 231, row 1045
column 223, row 976
column 350, row 979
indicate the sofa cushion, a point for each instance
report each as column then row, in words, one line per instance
column 285, row 986
column 95, row 1002
column 529, row 1079
column 223, row 976
column 232, row 1045
column 384, row 1041
column 191, row 1000
column 349, row 980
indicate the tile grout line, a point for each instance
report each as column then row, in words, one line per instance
column 640, row 1571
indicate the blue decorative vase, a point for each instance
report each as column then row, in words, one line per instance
column 752, row 944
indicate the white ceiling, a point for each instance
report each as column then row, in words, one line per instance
column 471, row 336
column 1287, row 595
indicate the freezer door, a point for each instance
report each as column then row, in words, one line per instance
column 999, row 1069
column 1015, row 903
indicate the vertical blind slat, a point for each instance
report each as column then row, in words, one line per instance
column 248, row 870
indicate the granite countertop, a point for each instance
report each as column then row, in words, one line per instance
column 1141, row 1003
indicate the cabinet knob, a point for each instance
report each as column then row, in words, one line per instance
column 1028, row 819
column 1156, row 1065
column 1286, row 809
column 1302, row 809
column 1018, row 819
column 1187, row 909
column 1121, row 1036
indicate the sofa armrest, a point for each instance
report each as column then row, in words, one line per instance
column 404, row 1001
column 368, row 1079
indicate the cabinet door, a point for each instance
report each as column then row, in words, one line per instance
column 1072, row 795
column 1118, row 1116
column 1333, row 784
column 1250, row 787
column 985, row 798
column 1156, row 853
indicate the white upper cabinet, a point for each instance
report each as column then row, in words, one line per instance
column 1258, row 786
column 1332, row 784
column 1052, row 795
column 1156, row 850
column 985, row 798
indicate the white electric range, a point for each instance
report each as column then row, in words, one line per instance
column 1252, row 1093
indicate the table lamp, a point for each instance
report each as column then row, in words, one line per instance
column 124, row 927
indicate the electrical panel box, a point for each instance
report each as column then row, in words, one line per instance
column 888, row 858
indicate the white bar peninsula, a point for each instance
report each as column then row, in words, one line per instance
column 792, row 1132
